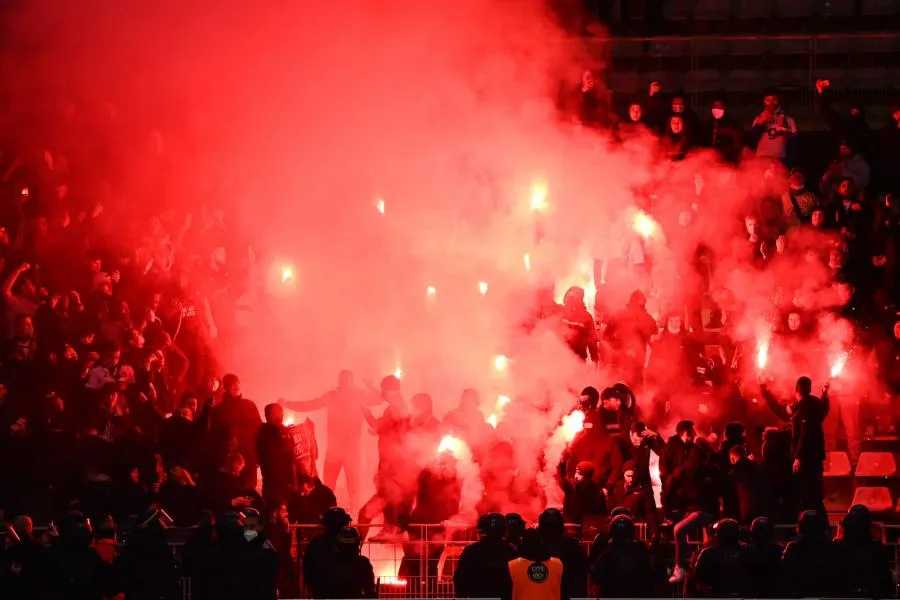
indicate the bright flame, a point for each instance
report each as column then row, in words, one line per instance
column 287, row 274
column 573, row 424
column 452, row 445
column 500, row 362
column 398, row 372
column 527, row 260
column 492, row 420
column 482, row 287
column 839, row 364
column 644, row 224
column 288, row 421
column 503, row 401
column 539, row 197
column 431, row 291
column 393, row 581
column 379, row 205
column 762, row 353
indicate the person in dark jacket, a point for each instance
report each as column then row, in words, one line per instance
column 579, row 330
column 807, row 416
column 851, row 126
column 636, row 498
column 723, row 569
column 310, row 501
column 551, row 526
column 259, row 561
column 623, row 568
column 641, row 442
column 733, row 435
column 238, row 416
column 671, row 464
column 482, row 571
column 146, row 564
column 767, row 553
column 582, row 496
column 321, row 549
column 618, row 408
column 748, row 494
column 809, row 564
column 725, row 134
column 275, row 454
column 864, row 562
column 24, row 564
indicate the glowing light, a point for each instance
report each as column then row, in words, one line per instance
column 527, row 260
column 393, row 581
column 539, row 197
column 492, row 420
column 289, row 421
column 573, row 424
column 482, row 287
column 762, row 353
column 287, row 274
column 430, row 291
column 644, row 224
column 451, row 444
column 398, row 372
column 501, row 362
column 503, row 401
column 379, row 205
column 839, row 364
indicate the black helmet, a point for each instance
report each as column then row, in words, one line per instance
column 349, row 536
column 762, row 530
column 857, row 523
column 492, row 524
column 590, row 397
column 551, row 522
column 727, row 530
column 620, row 510
column 621, row 528
column 335, row 519
column 515, row 525
column 810, row 524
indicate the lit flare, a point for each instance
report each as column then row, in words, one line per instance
column 644, row 225
column 838, row 367
column 451, row 444
column 762, row 354
column 527, row 260
column 501, row 362
column 493, row 420
column 572, row 425
column 287, row 274
column 539, row 197
column 431, row 291
column 483, row 287
column 379, row 205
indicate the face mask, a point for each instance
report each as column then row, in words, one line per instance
column 250, row 534
column 718, row 113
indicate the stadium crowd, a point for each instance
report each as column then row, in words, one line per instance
column 115, row 421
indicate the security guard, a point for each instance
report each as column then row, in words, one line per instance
column 536, row 575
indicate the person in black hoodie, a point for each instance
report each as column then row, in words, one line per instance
column 671, row 464
column 767, row 553
column 582, row 496
column 864, row 562
column 579, row 330
column 551, row 527
column 725, row 134
column 748, row 494
column 851, row 126
column 807, row 416
column 483, row 568
column 723, row 569
column 322, row 548
column 310, row 501
column 623, row 568
column 275, row 454
column 259, row 562
column 809, row 564
column 237, row 416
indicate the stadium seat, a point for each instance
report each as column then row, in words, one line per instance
column 837, row 464
column 868, row 79
column 748, row 47
column 665, row 47
column 871, row 8
column 877, row 499
column 835, row 45
column 704, row 80
column 835, row 8
column 876, row 464
column 623, row 82
column 626, row 49
column 754, row 9
column 794, row 8
column 678, row 10
column 790, row 46
column 744, row 81
column 712, row 10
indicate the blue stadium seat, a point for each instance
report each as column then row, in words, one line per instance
column 754, row 9
column 794, row 8
column 880, row 7
column 835, row 8
column 712, row 10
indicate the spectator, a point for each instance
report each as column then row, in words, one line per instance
column 852, row 126
column 310, row 501
column 259, row 561
column 864, row 563
column 850, row 164
column 276, row 458
column 483, row 568
column 583, row 497
column 146, row 564
column 798, row 202
column 748, row 493
column 239, row 417
column 766, row 566
column 809, row 565
column 774, row 130
column 672, row 462
column 320, row 550
column 725, row 134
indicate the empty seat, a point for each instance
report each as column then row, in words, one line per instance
column 837, row 464
column 879, row 7
column 798, row 45
column 626, row 49
column 869, row 79
column 876, row 464
column 704, row 80
column 835, row 45
column 710, row 47
column 876, row 499
column 623, row 82
column 754, row 9
column 712, row 9
column 664, row 47
column 794, row 8
column 748, row 47
column 675, row 10
column 835, row 8
column 744, row 81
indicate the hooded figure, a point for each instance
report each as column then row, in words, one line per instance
column 724, row 568
column 579, row 330
column 810, row 562
column 482, row 571
column 864, row 562
column 725, row 134
column 583, row 497
column 623, row 568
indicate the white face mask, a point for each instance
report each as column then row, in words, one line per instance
column 718, row 113
column 250, row 534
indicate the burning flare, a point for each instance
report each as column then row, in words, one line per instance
column 644, row 224
column 762, row 354
column 500, row 362
column 379, row 205
column 482, row 287
column 398, row 372
column 527, row 260
column 839, row 364
column 392, row 581
column 492, row 420
column 451, row 444
column 430, row 291
column 539, row 197
column 287, row 274
column 572, row 425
